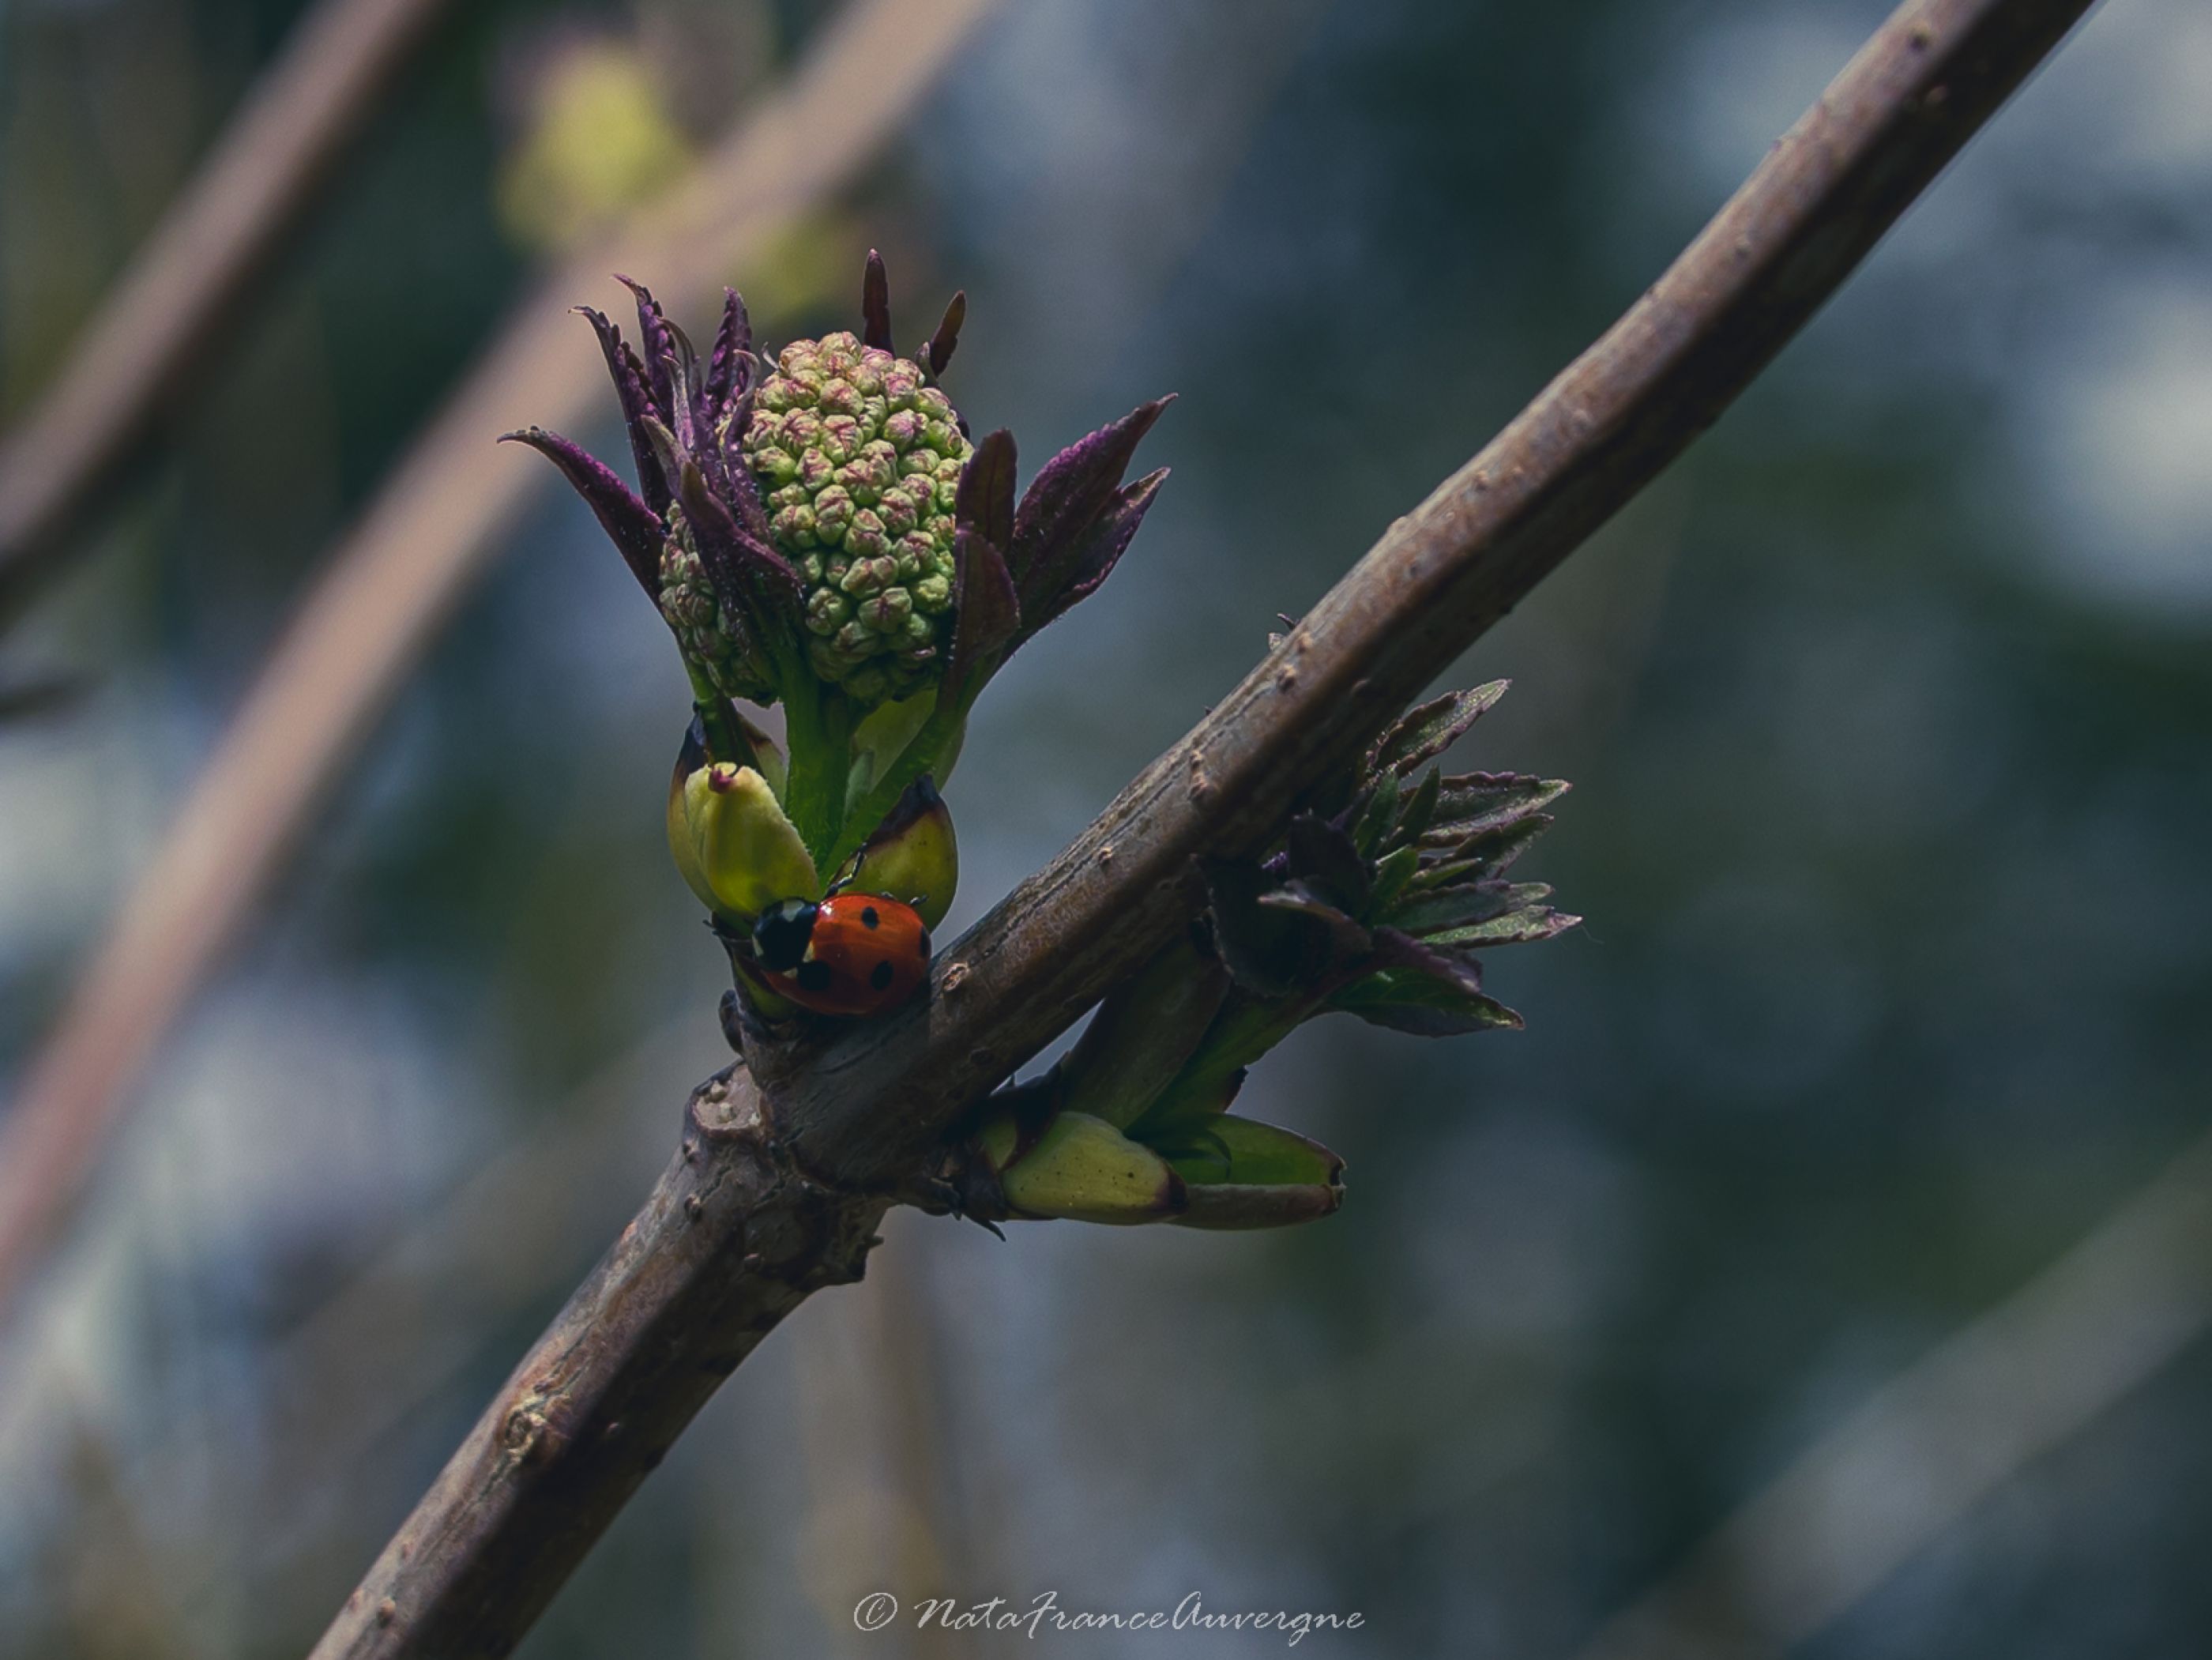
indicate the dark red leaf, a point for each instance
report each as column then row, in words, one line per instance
column 655, row 349
column 984, row 502
column 876, row 303
column 1270, row 950
column 1394, row 950
column 689, row 422
column 1095, row 556
column 730, row 365
column 1424, row 733
column 986, row 612
column 1455, row 906
column 1472, row 802
column 1322, row 854
column 637, row 408
column 750, row 577
column 1065, row 499
column 636, row 529
column 1406, row 1002
column 947, row 337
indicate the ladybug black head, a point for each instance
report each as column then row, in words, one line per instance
column 782, row 933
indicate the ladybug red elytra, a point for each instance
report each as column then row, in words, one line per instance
column 851, row 953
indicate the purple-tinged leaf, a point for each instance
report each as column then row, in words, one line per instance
column 744, row 491
column 666, row 452
column 1424, row 733
column 1396, row 950
column 1067, row 497
column 1347, row 941
column 983, row 501
column 941, row 343
column 1271, row 950
column 1477, row 801
column 1427, row 1008
column 1327, row 857
column 1094, row 557
column 1514, row 927
column 636, row 529
column 986, row 612
column 1450, row 908
column 755, row 583
column 730, row 365
column 688, row 417
column 693, row 430
column 1486, row 853
column 656, row 349
column 876, row 304
column 637, row 407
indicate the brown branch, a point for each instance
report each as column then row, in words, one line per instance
column 761, row 1207
column 186, row 282
column 389, row 584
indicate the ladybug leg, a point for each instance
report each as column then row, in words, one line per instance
column 942, row 1196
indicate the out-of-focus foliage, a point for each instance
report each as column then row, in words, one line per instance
column 600, row 140
column 1886, row 710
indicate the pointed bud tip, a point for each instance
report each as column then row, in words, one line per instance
column 947, row 338
column 876, row 303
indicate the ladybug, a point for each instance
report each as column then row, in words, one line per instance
column 851, row 953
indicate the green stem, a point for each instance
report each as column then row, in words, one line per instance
column 1245, row 1029
column 920, row 755
column 818, row 725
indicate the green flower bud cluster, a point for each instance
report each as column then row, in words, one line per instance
column 795, row 521
column 858, row 458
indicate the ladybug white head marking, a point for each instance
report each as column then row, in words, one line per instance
column 782, row 932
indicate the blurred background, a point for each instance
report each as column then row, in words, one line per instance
column 1886, row 710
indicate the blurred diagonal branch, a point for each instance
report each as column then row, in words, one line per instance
column 186, row 282
column 1929, row 1445
column 394, row 579
column 781, row 1179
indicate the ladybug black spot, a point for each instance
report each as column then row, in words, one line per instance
column 880, row 976
column 814, row 977
column 869, row 919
